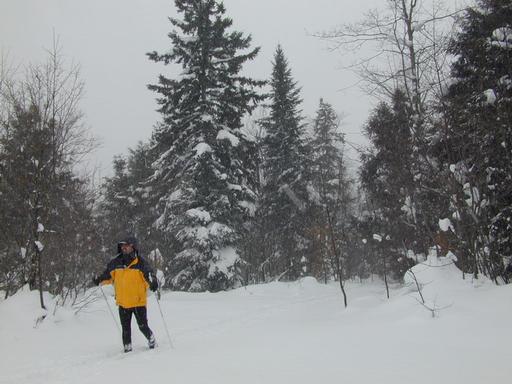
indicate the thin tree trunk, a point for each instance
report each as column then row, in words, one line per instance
column 340, row 277
column 40, row 278
column 386, row 283
column 339, row 265
column 386, row 277
column 38, row 251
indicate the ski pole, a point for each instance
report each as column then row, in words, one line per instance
column 157, row 296
column 110, row 309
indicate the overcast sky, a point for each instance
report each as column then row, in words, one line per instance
column 109, row 39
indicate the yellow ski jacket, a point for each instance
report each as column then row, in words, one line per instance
column 130, row 277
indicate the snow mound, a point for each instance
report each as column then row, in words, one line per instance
column 440, row 281
column 24, row 309
column 309, row 282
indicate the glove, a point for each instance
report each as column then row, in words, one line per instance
column 96, row 280
column 153, row 285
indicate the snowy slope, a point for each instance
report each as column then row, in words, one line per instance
column 276, row 333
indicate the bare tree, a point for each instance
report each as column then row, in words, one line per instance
column 42, row 141
column 402, row 46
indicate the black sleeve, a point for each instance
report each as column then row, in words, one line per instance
column 105, row 275
column 147, row 270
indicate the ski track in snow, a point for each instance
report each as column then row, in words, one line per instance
column 272, row 333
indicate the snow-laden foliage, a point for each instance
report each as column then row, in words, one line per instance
column 388, row 179
column 204, row 172
column 284, row 199
column 329, row 192
column 45, row 207
column 477, row 138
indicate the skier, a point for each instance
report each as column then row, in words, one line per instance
column 131, row 275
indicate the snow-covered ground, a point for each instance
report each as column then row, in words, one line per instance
column 275, row 333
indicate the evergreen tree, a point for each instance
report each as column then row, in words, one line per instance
column 284, row 200
column 388, row 179
column 476, row 141
column 139, row 166
column 326, row 151
column 204, row 175
column 127, row 206
column 330, row 185
column 117, row 209
column 25, row 188
column 45, row 209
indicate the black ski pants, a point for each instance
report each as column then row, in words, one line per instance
column 125, row 314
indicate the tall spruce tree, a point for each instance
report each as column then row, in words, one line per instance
column 330, row 182
column 284, row 200
column 387, row 175
column 204, row 175
column 477, row 139
column 127, row 206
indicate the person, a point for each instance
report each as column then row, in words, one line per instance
column 131, row 276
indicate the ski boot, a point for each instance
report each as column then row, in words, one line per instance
column 151, row 342
column 127, row 348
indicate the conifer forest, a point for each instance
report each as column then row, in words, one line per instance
column 236, row 186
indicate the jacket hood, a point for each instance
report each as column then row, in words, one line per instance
column 128, row 240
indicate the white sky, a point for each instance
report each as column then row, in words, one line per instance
column 109, row 39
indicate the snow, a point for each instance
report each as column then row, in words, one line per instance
column 201, row 148
column 313, row 194
column 502, row 37
column 408, row 207
column 185, row 75
column 206, row 117
column 250, row 207
column 160, row 276
column 156, row 256
column 188, row 39
column 223, row 260
column 226, row 135
column 274, row 333
column 472, row 194
column 204, row 234
column 234, row 187
column 40, row 227
column 490, row 96
column 39, row 246
column 176, row 195
column 199, row 214
column 446, row 225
